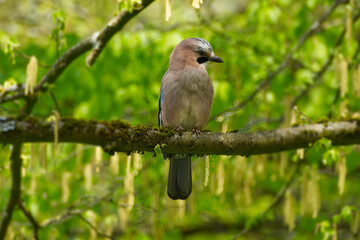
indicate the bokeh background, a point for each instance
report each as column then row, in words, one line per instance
column 79, row 192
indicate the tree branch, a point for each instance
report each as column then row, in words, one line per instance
column 30, row 217
column 96, row 42
column 115, row 25
column 118, row 136
column 15, row 189
column 98, row 232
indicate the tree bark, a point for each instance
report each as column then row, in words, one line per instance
column 118, row 136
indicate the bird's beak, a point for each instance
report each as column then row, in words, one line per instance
column 215, row 58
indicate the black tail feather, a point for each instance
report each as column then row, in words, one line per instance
column 179, row 182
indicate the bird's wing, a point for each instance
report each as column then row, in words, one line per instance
column 160, row 102
column 161, row 98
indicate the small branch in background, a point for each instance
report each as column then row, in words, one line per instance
column 249, row 125
column 354, row 61
column 15, row 167
column 318, row 75
column 240, row 42
column 101, row 38
column 57, row 68
column 57, row 42
column 336, row 98
column 30, row 102
column 30, row 217
column 357, row 51
column 28, row 57
column 327, row 64
column 93, row 227
column 258, row 220
column 55, row 101
column 14, row 198
column 87, row 202
column 9, row 110
column 265, row 82
column 73, row 154
column 175, row 26
column 221, row 226
column 73, row 210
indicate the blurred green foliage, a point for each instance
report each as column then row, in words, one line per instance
column 253, row 38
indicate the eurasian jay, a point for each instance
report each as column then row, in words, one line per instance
column 186, row 96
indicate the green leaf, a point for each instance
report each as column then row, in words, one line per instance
column 331, row 156
column 322, row 143
column 8, row 43
column 346, row 213
column 59, row 17
column 336, row 218
column 157, row 149
column 13, row 42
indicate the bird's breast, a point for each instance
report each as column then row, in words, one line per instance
column 194, row 96
column 194, row 80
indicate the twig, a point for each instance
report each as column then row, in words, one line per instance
column 218, row 226
column 30, row 217
column 317, row 76
column 249, row 125
column 336, row 98
column 9, row 110
column 357, row 51
column 74, row 153
column 239, row 42
column 71, row 211
column 55, row 102
column 27, row 57
column 284, row 64
column 93, row 227
column 115, row 25
column 30, row 102
column 15, row 167
column 90, row 201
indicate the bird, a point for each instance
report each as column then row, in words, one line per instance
column 186, row 95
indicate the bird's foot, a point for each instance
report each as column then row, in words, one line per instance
column 196, row 131
column 180, row 129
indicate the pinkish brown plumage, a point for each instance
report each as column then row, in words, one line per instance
column 186, row 96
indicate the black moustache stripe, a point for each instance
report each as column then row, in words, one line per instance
column 201, row 60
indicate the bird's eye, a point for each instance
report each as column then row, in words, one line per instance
column 201, row 52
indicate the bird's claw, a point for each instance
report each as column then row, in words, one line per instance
column 180, row 129
column 196, row 131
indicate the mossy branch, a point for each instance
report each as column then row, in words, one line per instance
column 118, row 136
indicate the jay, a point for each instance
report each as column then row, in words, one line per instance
column 186, row 95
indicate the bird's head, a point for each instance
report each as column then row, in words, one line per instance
column 193, row 52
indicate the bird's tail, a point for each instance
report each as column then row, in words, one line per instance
column 179, row 181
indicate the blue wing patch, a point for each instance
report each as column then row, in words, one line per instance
column 160, row 102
